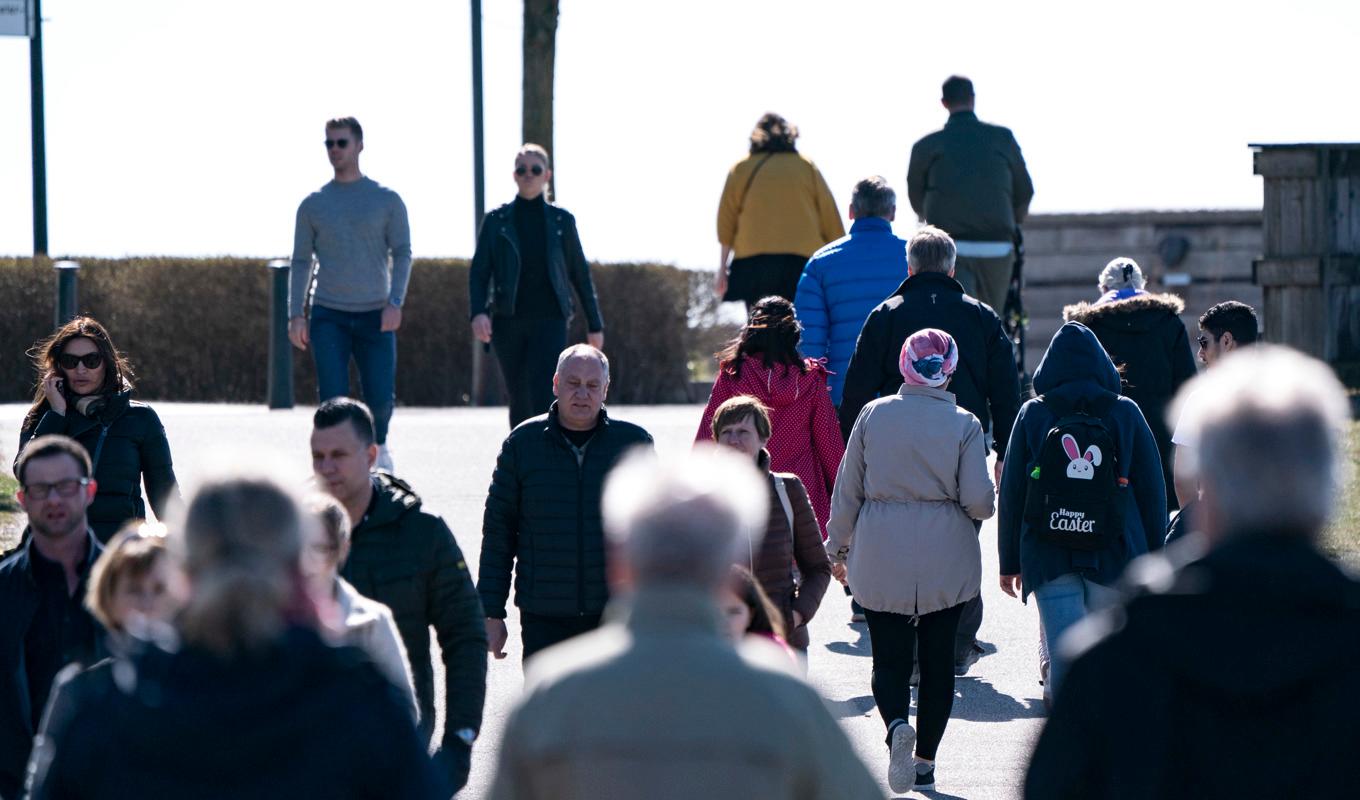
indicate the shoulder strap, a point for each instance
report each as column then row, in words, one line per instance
column 750, row 180
column 783, row 493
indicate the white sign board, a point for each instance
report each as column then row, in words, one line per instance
column 15, row 18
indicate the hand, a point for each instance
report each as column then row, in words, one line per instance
column 720, row 282
column 52, row 386
column 595, row 340
column 1010, row 584
column 297, row 332
column 838, row 571
column 797, row 620
column 996, row 471
column 391, row 318
column 496, row 637
column 481, row 328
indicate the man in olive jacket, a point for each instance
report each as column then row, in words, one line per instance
column 970, row 180
column 407, row 559
column 543, row 510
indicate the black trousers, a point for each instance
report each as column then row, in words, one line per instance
column 538, row 632
column 896, row 640
column 527, row 350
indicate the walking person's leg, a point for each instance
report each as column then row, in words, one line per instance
column 987, row 279
column 935, row 634
column 892, row 638
column 332, row 343
column 546, row 342
column 508, row 342
column 1062, row 604
column 375, row 352
column 966, row 650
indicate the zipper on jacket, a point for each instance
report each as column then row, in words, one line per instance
column 580, row 528
column 519, row 266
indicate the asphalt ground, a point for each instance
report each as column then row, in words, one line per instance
column 447, row 455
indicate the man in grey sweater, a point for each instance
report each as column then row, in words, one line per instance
column 358, row 231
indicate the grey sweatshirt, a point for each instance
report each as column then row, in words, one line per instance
column 352, row 228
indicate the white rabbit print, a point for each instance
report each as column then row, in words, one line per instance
column 1083, row 467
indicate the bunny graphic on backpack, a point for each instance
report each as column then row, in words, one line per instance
column 1073, row 498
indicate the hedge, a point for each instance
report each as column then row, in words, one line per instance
column 197, row 329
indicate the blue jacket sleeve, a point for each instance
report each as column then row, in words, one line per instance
column 1147, row 480
column 1012, row 507
column 810, row 303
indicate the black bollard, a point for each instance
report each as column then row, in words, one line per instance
column 280, row 349
column 68, row 282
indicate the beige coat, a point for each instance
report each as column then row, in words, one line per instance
column 913, row 480
column 657, row 704
column 370, row 627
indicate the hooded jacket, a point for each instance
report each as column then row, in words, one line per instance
column 407, row 559
column 987, row 382
column 804, row 435
column 1145, row 336
column 1076, row 372
column 1215, row 678
column 297, row 718
column 369, row 626
column 126, row 442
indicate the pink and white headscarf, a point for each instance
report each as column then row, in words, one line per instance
column 928, row 358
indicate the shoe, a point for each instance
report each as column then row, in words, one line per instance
column 856, row 612
column 969, row 659
column 901, row 763
column 925, row 781
column 384, row 462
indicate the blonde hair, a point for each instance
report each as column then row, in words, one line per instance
column 130, row 555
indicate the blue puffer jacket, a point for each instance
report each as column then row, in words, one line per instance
column 1075, row 370
column 841, row 284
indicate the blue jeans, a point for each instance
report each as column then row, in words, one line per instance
column 1063, row 602
column 339, row 335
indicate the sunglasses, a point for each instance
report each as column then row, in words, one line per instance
column 340, row 143
column 521, row 170
column 66, row 488
column 1203, row 341
column 70, row 360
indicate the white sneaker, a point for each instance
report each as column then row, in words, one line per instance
column 384, row 459
column 901, row 762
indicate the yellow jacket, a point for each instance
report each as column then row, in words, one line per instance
column 789, row 208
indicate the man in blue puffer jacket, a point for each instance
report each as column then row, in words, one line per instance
column 849, row 277
column 1076, row 372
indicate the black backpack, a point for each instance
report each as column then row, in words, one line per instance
column 1073, row 498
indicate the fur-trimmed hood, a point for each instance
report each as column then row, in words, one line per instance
column 1140, row 312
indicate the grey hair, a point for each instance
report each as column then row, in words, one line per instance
column 931, row 250
column 684, row 520
column 1270, row 424
column 584, row 351
column 873, row 197
column 1121, row 273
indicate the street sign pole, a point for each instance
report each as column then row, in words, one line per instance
column 35, row 72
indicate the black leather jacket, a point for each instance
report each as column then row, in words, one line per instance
column 494, row 277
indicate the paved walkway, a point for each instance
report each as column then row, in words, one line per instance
column 448, row 454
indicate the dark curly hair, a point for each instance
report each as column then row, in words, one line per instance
column 774, row 134
column 772, row 332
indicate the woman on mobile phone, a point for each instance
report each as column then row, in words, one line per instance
column 84, row 391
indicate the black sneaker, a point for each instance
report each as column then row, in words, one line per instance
column 925, row 781
column 969, row 659
column 856, row 612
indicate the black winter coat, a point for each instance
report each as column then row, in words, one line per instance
column 127, row 444
column 1230, row 673
column 408, row 560
column 493, row 280
column 543, row 518
column 297, row 719
column 986, row 381
column 1145, row 336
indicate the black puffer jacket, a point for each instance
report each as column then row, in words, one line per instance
column 543, row 518
column 407, row 559
column 1145, row 336
column 493, row 280
column 986, row 381
column 126, row 442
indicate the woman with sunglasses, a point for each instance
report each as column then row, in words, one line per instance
column 84, row 391
column 528, row 261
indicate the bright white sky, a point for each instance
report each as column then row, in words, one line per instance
column 190, row 128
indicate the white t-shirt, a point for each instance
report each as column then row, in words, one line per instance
column 1187, row 424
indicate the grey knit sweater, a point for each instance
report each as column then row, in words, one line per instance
column 353, row 229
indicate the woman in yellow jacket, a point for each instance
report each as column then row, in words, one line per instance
column 776, row 210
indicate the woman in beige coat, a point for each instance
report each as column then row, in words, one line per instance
column 903, row 532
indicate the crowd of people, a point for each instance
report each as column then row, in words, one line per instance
column 272, row 640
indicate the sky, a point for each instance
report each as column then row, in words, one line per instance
column 186, row 128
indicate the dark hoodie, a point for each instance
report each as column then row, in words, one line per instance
column 1076, row 371
column 1145, row 336
column 1230, row 676
column 297, row 719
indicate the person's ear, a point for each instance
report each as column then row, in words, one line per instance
column 372, row 453
column 1226, row 341
column 91, row 489
column 944, row 103
column 358, row 146
column 19, row 495
column 892, row 214
column 851, row 213
column 555, row 382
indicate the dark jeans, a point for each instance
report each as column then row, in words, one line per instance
column 527, row 350
column 538, row 631
column 894, row 640
column 338, row 336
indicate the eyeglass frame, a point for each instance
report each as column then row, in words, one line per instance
column 41, row 491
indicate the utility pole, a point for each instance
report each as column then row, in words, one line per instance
column 35, row 73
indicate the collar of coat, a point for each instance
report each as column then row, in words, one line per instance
column 92, row 552
column 555, row 423
column 668, row 609
column 911, row 390
column 1086, row 313
column 925, row 280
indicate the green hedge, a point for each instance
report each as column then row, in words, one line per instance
column 197, row 329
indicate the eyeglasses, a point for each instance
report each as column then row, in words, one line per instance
column 66, row 488
column 1203, row 341
column 340, row 143
column 537, row 169
column 70, row 360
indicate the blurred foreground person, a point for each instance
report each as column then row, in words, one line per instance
column 43, row 624
column 252, row 702
column 658, row 703
column 1231, row 664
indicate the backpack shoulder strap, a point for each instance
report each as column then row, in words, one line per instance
column 783, row 493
